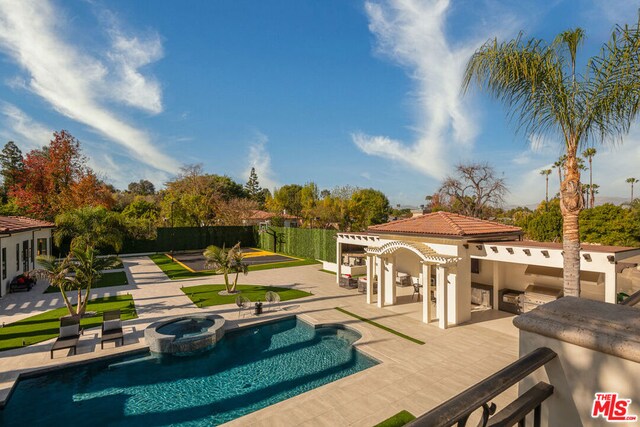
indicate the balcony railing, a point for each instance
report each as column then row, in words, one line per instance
column 456, row 411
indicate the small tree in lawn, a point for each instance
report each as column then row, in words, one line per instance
column 239, row 266
column 85, row 263
column 226, row 261
column 56, row 272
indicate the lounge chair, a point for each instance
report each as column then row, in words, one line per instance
column 242, row 303
column 111, row 328
column 69, row 335
column 272, row 298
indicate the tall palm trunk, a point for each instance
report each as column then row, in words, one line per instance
column 571, row 204
column 546, row 190
column 591, row 193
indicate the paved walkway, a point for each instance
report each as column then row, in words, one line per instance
column 411, row 377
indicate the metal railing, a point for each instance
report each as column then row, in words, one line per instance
column 632, row 299
column 456, row 411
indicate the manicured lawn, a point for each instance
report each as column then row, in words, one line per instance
column 398, row 420
column 175, row 271
column 117, row 278
column 207, row 295
column 44, row 326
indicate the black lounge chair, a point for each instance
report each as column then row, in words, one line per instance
column 111, row 328
column 69, row 335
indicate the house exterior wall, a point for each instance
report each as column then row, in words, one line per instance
column 16, row 261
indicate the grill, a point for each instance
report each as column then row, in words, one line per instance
column 536, row 295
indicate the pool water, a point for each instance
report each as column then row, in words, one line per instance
column 248, row 370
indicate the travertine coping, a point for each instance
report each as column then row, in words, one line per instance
column 608, row 328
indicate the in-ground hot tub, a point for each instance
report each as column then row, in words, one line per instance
column 184, row 334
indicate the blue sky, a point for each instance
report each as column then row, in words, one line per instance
column 336, row 92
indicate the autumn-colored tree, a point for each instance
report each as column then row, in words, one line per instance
column 55, row 179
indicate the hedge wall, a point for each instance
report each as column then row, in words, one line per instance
column 187, row 238
column 300, row 242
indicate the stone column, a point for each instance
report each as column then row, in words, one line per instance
column 497, row 284
column 380, row 271
column 390, row 294
column 611, row 284
column 371, row 271
column 338, row 261
column 441, row 292
column 426, row 294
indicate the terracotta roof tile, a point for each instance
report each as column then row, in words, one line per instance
column 11, row 224
column 445, row 224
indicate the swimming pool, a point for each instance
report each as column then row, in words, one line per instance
column 249, row 369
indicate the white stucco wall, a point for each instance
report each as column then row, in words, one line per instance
column 15, row 266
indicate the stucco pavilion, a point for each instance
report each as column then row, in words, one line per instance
column 457, row 260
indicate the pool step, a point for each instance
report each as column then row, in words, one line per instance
column 149, row 358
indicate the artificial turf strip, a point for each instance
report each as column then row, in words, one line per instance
column 44, row 326
column 175, row 271
column 284, row 264
column 116, row 278
column 378, row 325
column 398, row 420
column 207, row 295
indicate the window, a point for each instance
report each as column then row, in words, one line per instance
column 17, row 257
column 4, row 263
column 42, row 247
column 25, row 255
column 475, row 265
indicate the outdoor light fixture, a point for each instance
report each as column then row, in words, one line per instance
column 527, row 252
column 466, row 246
column 587, row 257
column 545, row 254
column 494, row 249
column 611, row 258
column 479, row 247
column 510, row 250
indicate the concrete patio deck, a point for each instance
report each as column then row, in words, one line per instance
column 411, row 377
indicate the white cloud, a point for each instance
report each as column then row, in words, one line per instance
column 79, row 85
column 412, row 34
column 23, row 129
column 260, row 159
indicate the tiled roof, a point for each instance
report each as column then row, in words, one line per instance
column 11, row 224
column 445, row 224
column 263, row 215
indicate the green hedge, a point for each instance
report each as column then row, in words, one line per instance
column 300, row 242
column 187, row 238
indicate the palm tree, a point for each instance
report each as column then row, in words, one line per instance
column 631, row 181
column 539, row 83
column 226, row 261
column 90, row 226
column 239, row 266
column 546, row 173
column 588, row 154
column 56, row 272
column 80, row 270
column 559, row 164
column 87, row 267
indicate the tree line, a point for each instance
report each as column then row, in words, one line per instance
column 55, row 183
